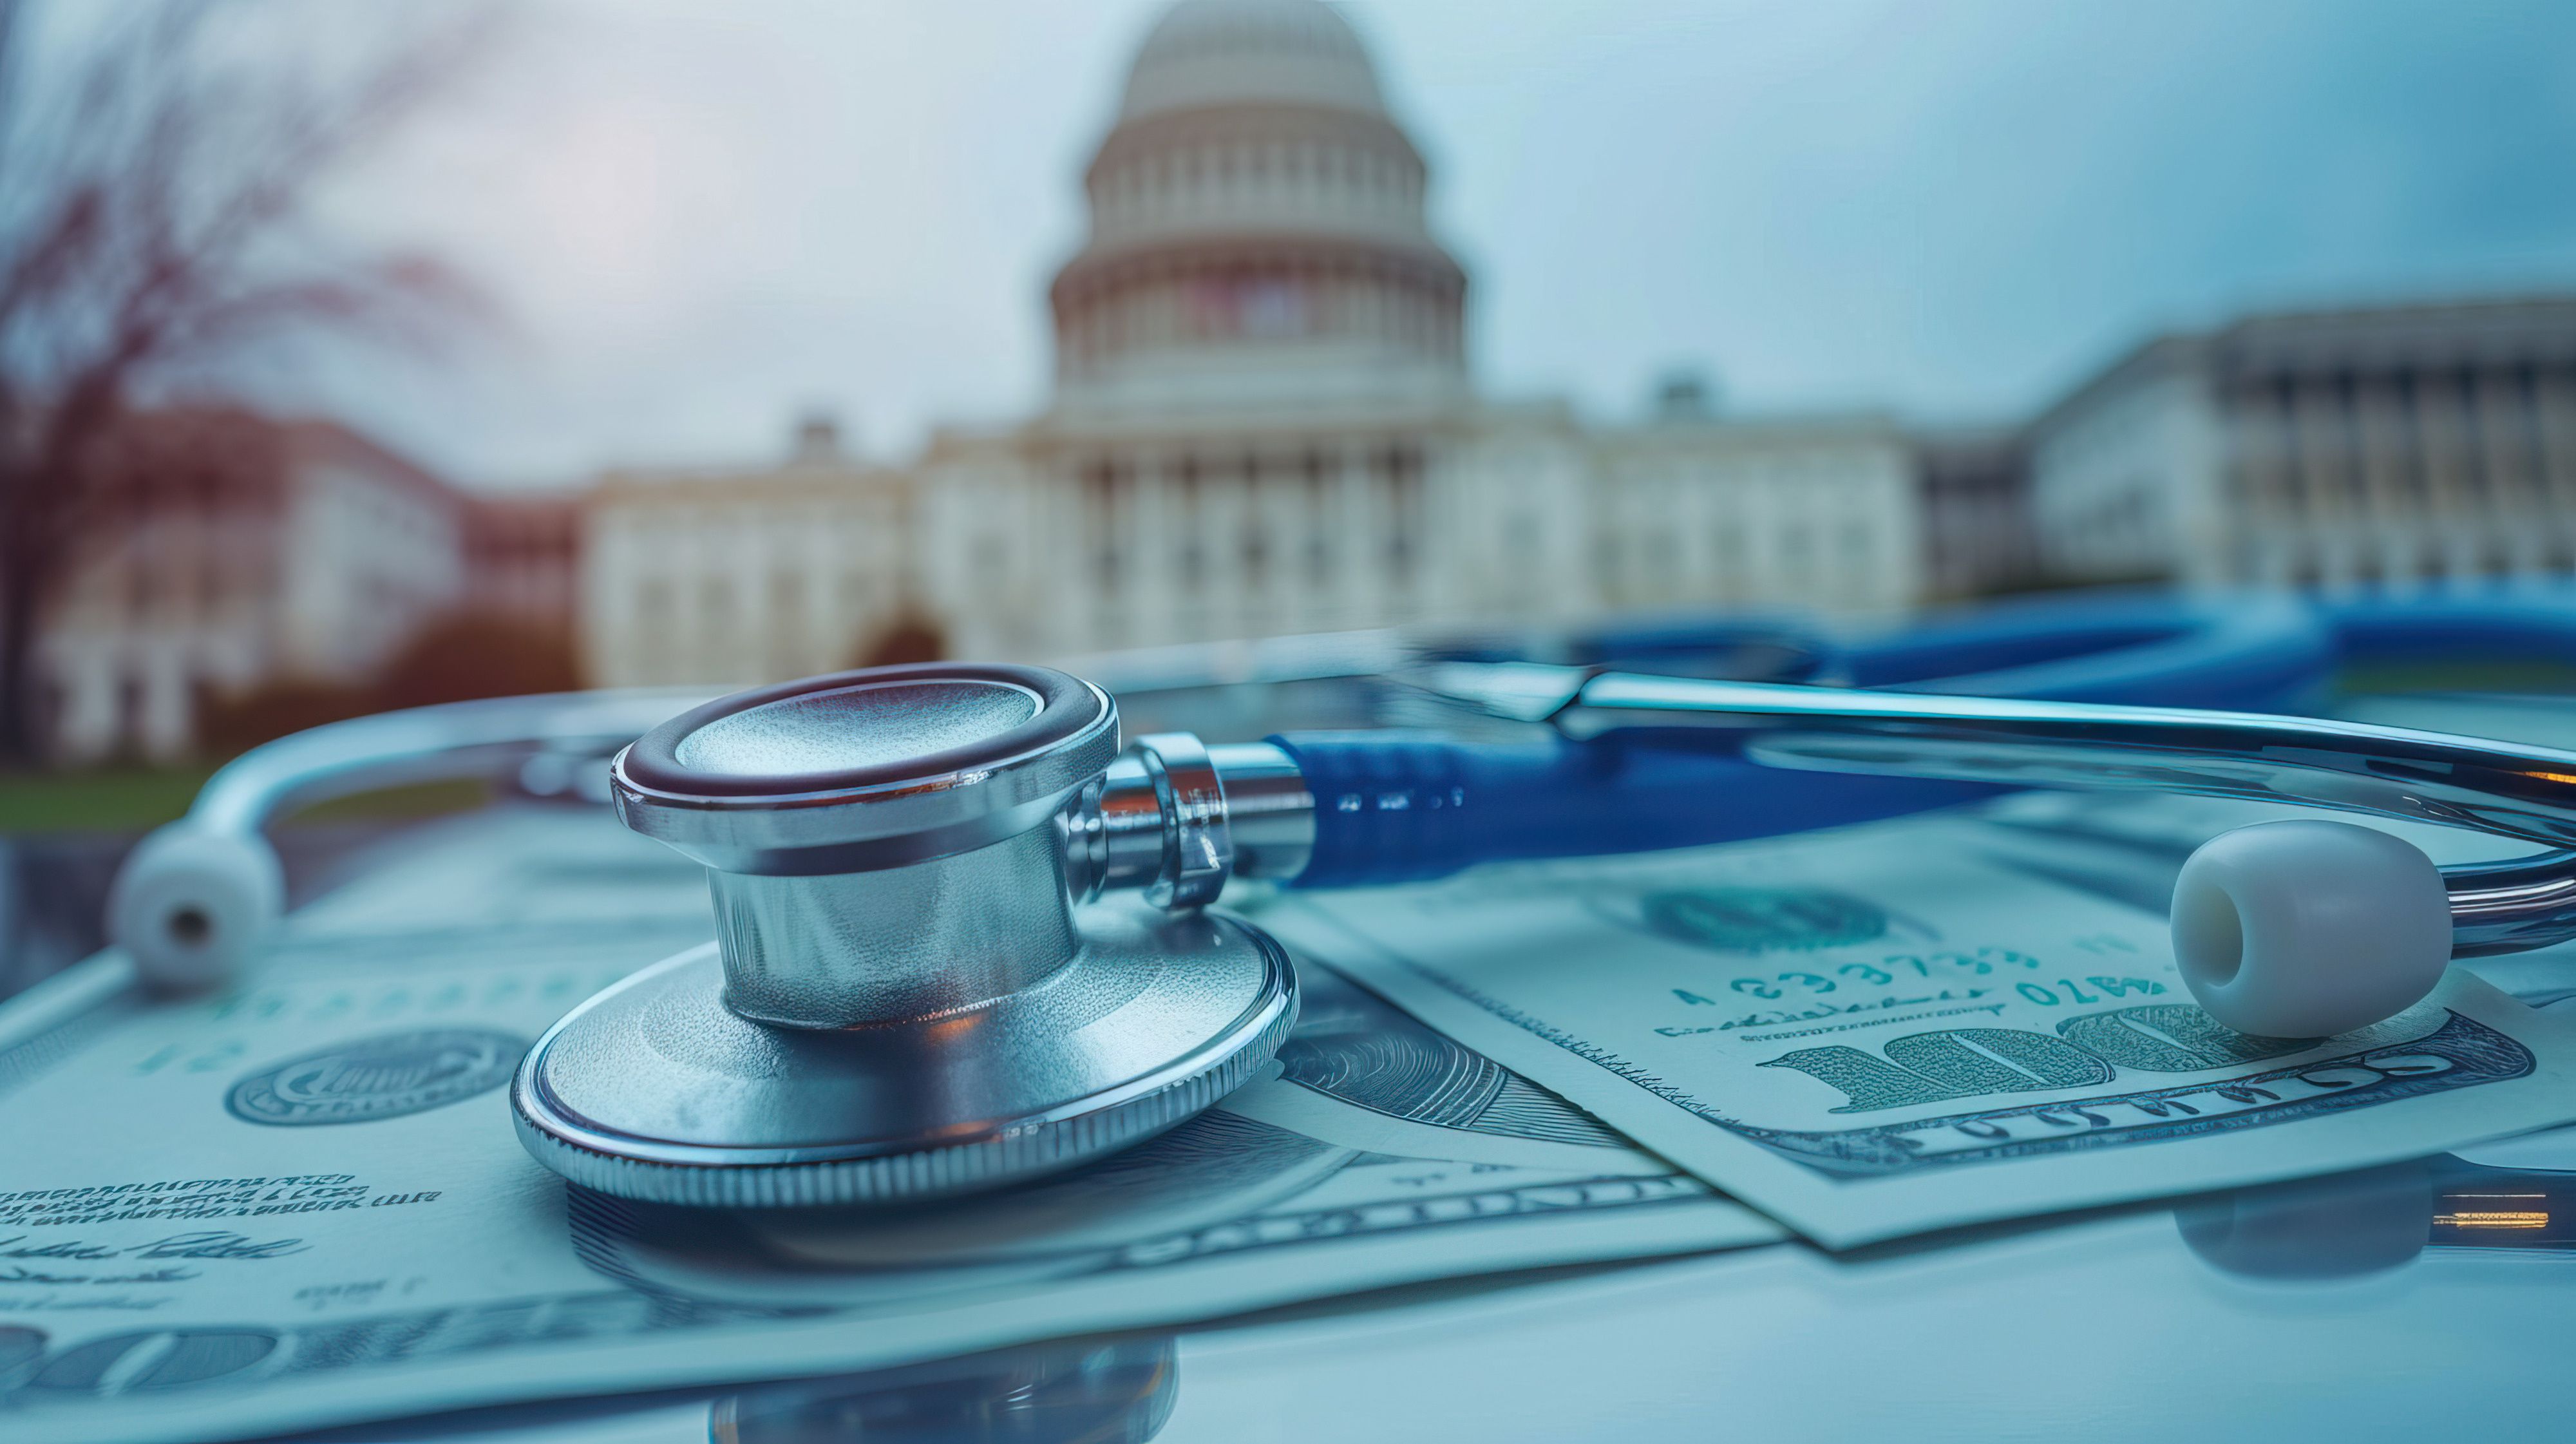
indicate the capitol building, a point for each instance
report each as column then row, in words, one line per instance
column 1264, row 420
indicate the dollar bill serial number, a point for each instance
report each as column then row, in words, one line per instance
column 1897, row 981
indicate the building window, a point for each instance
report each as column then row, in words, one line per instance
column 1101, row 519
column 715, row 607
column 1797, row 546
column 1404, row 512
column 1318, row 522
column 1248, row 305
column 1664, row 559
column 1253, row 540
column 1193, row 556
column 1521, row 544
column 1856, row 544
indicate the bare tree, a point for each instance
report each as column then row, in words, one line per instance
column 154, row 221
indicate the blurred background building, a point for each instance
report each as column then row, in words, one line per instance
column 1263, row 419
column 771, row 570
column 2391, row 448
column 250, row 553
column 246, row 549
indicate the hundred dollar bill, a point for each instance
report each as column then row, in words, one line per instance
column 1894, row 1029
column 301, row 1202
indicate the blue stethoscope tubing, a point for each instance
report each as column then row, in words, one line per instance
column 1407, row 806
column 1955, row 710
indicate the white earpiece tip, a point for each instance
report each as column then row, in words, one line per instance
column 2309, row 928
column 190, row 906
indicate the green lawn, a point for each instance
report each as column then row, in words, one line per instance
column 132, row 799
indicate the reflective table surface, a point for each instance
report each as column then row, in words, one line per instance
column 2429, row 1300
column 2423, row 1301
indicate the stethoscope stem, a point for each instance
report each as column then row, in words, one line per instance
column 2509, row 789
column 1176, row 818
column 2511, row 907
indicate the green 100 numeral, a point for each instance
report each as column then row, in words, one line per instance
column 1953, row 1063
column 2047, row 997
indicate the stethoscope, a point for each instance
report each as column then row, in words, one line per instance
column 920, row 985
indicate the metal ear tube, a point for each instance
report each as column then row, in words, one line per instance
column 962, row 937
column 923, row 984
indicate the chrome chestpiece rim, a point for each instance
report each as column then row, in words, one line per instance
column 904, row 1000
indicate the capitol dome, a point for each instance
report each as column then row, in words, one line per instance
column 1230, row 52
column 1257, row 227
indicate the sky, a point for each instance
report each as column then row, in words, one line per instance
column 698, row 220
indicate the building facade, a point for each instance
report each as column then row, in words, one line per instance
column 246, row 550
column 2375, row 448
column 743, row 575
column 523, row 559
column 1262, row 421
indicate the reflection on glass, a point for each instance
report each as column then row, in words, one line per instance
column 2351, row 1225
column 1094, row 1393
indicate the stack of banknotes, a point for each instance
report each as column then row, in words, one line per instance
column 299, row 1202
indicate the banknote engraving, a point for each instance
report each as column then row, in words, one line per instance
column 1967, row 1062
column 867, row 1263
column 426, row 1263
column 1349, row 1045
column 2005, row 1045
column 1762, row 919
column 2462, row 1053
column 186, row 1358
column 1947, row 1064
column 196, row 1199
column 386, row 1076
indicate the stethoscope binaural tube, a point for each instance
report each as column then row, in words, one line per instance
column 904, row 864
column 197, row 898
column 2291, row 929
column 2294, row 929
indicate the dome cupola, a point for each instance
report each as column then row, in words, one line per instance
column 1257, row 229
column 1243, row 52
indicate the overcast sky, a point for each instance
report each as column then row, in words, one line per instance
column 703, row 217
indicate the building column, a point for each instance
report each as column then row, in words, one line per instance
column 2440, row 431
column 1363, row 537
column 164, row 725
column 86, row 673
column 2517, row 495
column 1153, row 560
column 2555, row 395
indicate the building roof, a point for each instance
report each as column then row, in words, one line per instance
column 1256, row 226
column 1238, row 52
column 791, row 481
column 314, row 441
column 247, row 453
column 2501, row 331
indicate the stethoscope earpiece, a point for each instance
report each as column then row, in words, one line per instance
column 2308, row 927
column 193, row 904
column 910, row 994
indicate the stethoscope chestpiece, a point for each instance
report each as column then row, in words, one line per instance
column 903, row 1001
